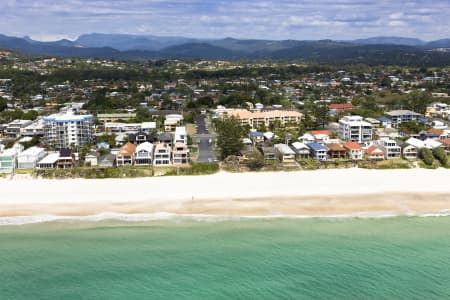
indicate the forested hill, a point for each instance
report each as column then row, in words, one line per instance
column 367, row 51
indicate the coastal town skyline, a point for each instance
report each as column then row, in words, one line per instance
column 305, row 20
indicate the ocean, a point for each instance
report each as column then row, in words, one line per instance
column 175, row 258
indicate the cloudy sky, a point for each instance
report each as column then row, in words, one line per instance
column 281, row 19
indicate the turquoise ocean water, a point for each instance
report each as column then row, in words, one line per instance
column 390, row 258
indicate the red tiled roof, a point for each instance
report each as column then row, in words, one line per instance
column 352, row 146
column 435, row 131
column 316, row 132
column 445, row 142
column 341, row 106
column 127, row 149
column 372, row 149
column 335, row 147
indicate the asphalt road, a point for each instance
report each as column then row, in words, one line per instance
column 204, row 141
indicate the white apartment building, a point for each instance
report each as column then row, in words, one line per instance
column 390, row 148
column 180, row 135
column 355, row 129
column 64, row 130
column 28, row 159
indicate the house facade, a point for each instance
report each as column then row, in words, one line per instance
column 318, row 151
column 163, row 155
column 354, row 150
column 29, row 158
column 144, row 154
column 285, row 154
column 180, row 154
column 403, row 116
column 390, row 148
column 126, row 155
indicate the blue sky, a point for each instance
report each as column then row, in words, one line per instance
column 282, row 19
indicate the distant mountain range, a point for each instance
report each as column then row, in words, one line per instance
column 376, row 50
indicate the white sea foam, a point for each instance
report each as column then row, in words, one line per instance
column 23, row 220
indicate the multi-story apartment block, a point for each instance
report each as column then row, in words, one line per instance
column 180, row 154
column 163, row 155
column 354, row 129
column 403, row 116
column 264, row 118
column 66, row 130
column 390, row 148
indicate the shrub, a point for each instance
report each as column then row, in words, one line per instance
column 427, row 156
column 440, row 155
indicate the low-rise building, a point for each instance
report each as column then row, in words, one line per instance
column 354, row 150
column 403, row 116
column 318, row 151
column 374, row 153
column 126, row 155
column 14, row 128
column 285, row 154
column 263, row 118
column 180, row 135
column 163, row 155
column 301, row 150
column 144, row 154
column 29, row 158
column 180, row 154
column 8, row 158
column 49, row 161
column 91, row 159
column 336, row 151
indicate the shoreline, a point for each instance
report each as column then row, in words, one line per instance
column 323, row 193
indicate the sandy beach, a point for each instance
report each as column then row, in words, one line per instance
column 356, row 192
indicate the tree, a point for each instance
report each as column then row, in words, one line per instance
column 440, row 155
column 30, row 115
column 3, row 104
column 427, row 156
column 229, row 137
column 321, row 114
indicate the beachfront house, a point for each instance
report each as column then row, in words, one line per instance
column 144, row 154
column 269, row 154
column 354, row 150
column 390, row 148
column 374, row 153
column 318, row 151
column 285, row 154
column 91, row 159
column 49, row 161
column 180, row 154
column 66, row 159
column 301, row 150
column 107, row 160
column 8, row 158
column 28, row 159
column 163, row 155
column 336, row 151
column 126, row 155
